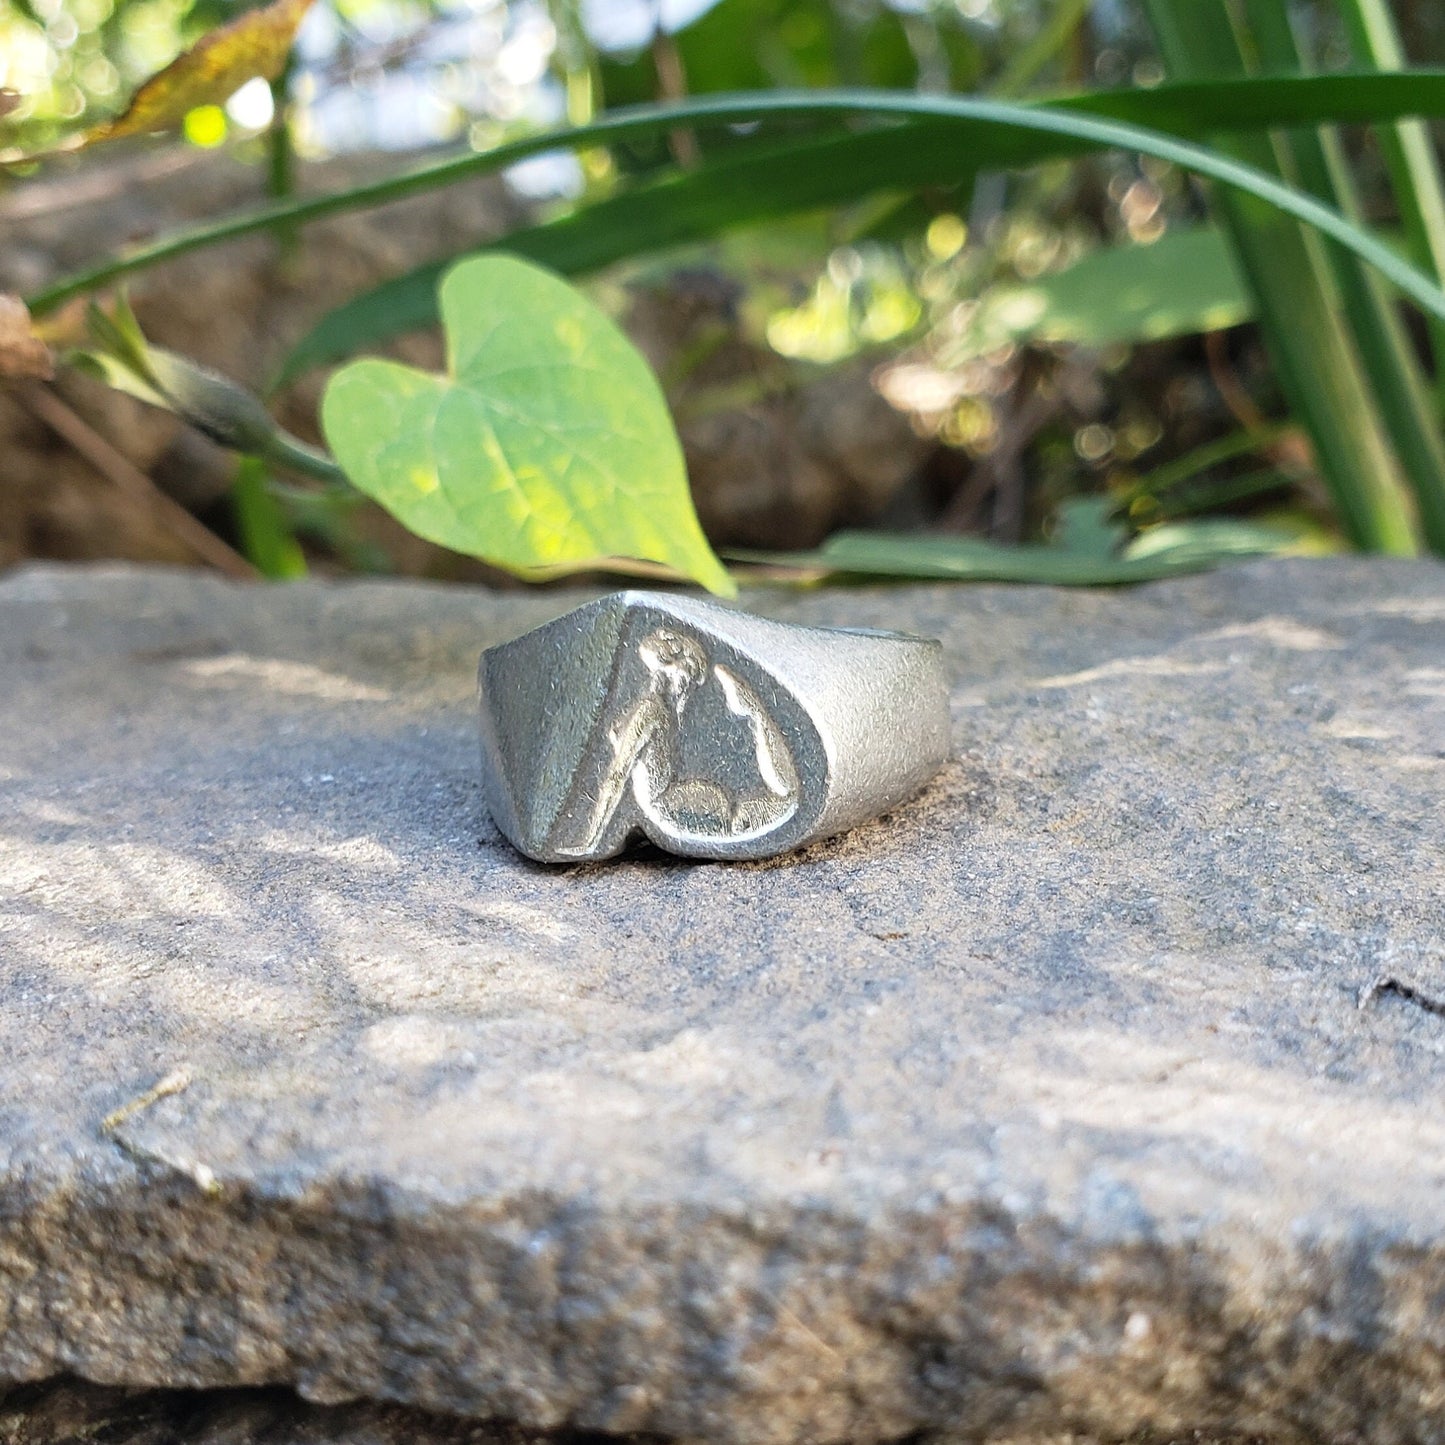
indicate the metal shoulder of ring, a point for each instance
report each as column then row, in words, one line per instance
column 713, row 733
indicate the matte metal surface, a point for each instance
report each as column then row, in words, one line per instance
column 710, row 732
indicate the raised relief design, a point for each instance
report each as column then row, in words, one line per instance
column 696, row 749
column 712, row 733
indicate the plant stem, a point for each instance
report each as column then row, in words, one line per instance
column 281, row 154
column 290, row 454
column 1023, row 68
column 266, row 535
column 138, row 488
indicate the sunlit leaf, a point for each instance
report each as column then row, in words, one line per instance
column 212, row 70
column 547, row 446
column 1089, row 550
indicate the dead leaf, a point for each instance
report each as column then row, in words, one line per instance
column 23, row 355
column 212, row 70
column 9, row 99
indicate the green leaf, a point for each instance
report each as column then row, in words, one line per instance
column 268, row 542
column 1088, row 527
column 546, row 447
column 1185, row 282
column 1087, row 552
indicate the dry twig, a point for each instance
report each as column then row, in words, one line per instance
column 43, row 403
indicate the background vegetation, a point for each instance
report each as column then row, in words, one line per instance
column 1143, row 286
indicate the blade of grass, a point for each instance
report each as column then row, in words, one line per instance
column 671, row 210
column 267, row 540
column 1388, row 367
column 682, row 206
column 1028, row 60
column 1297, row 294
column 1409, row 155
column 1186, row 109
column 1197, row 462
column 1211, row 496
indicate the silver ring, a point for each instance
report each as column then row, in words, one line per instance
column 713, row 733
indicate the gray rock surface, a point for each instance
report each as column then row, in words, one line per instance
column 1047, row 1104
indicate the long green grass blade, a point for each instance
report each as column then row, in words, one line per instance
column 1409, row 154
column 1389, row 370
column 1198, row 462
column 1297, row 292
column 982, row 131
column 1392, row 367
column 1052, row 36
column 1013, row 135
column 267, row 540
column 765, row 182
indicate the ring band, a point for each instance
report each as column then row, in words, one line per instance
column 711, row 732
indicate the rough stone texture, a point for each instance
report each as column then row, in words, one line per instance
column 1047, row 1104
column 67, row 1412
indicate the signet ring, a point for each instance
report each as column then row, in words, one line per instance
column 708, row 731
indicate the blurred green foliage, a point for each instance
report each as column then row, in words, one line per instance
column 994, row 274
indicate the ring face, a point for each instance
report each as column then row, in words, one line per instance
column 709, row 732
column 687, row 750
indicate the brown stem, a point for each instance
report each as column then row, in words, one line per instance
column 672, row 86
column 1231, row 391
column 1291, row 452
column 1000, row 474
column 43, row 403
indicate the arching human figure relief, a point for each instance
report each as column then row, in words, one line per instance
column 645, row 752
column 714, row 733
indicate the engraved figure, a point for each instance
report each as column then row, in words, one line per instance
column 647, row 753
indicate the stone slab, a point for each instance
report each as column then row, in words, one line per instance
column 1047, row 1104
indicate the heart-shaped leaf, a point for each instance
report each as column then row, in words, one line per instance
column 547, row 446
